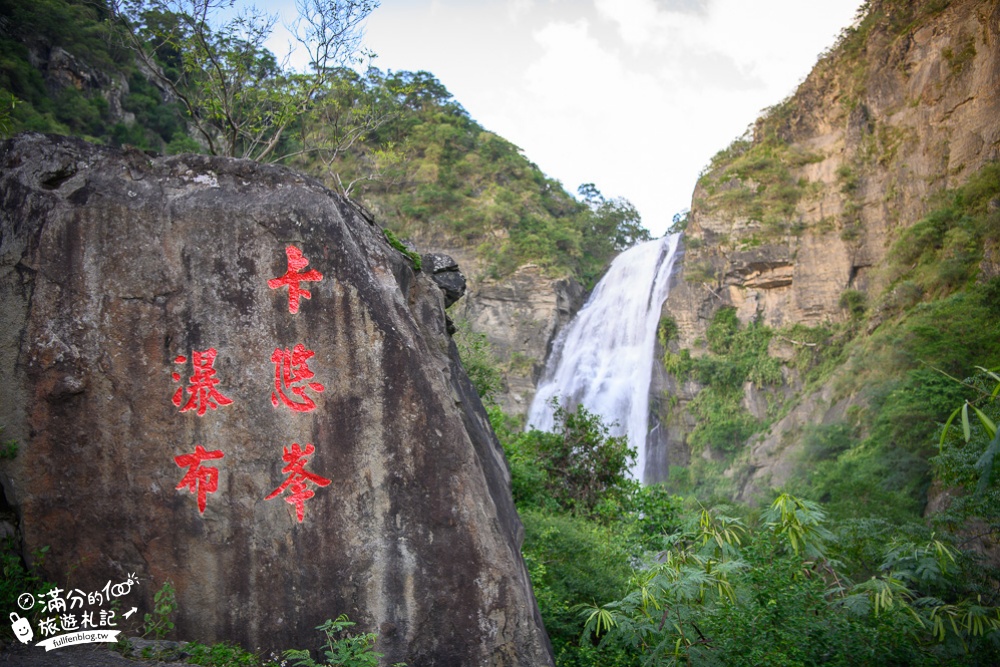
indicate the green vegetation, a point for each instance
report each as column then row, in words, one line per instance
column 479, row 362
column 395, row 141
column 6, row 109
column 453, row 177
column 394, row 241
column 734, row 356
column 236, row 96
column 785, row 589
column 578, row 468
column 91, row 58
column 969, row 460
column 941, row 252
column 854, row 302
column 959, row 58
column 847, row 58
column 221, row 655
column 8, row 448
column 847, row 571
column 20, row 578
column 341, row 647
column 651, row 579
column 752, row 179
column 585, row 522
column 888, row 362
column 160, row 623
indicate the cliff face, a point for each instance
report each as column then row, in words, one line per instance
column 219, row 374
column 520, row 315
column 785, row 222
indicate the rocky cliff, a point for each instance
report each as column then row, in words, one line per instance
column 220, row 375
column 519, row 314
column 793, row 223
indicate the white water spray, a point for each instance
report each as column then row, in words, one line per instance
column 604, row 358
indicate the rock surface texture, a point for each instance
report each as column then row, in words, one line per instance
column 520, row 314
column 869, row 136
column 178, row 420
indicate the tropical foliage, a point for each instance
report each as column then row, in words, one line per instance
column 652, row 579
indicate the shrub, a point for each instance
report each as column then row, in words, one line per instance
column 479, row 361
column 160, row 623
column 346, row 650
column 854, row 302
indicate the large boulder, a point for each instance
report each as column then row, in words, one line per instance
column 220, row 374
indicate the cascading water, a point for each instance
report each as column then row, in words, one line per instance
column 604, row 358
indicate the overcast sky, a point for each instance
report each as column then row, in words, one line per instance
column 634, row 96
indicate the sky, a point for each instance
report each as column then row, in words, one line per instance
column 634, row 96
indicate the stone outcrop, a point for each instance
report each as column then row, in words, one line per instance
column 444, row 271
column 521, row 316
column 867, row 138
column 185, row 413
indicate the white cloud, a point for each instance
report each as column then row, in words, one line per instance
column 640, row 22
column 517, row 9
column 605, row 126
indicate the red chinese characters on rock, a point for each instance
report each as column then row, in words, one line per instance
column 202, row 392
column 199, row 479
column 292, row 375
column 292, row 380
column 293, row 278
column 298, row 479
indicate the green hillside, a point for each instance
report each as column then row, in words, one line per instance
column 396, row 142
column 919, row 311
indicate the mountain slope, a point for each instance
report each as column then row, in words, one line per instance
column 854, row 236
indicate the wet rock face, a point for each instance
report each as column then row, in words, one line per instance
column 221, row 376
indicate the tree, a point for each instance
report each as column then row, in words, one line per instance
column 239, row 98
column 345, row 118
column 615, row 221
column 576, row 468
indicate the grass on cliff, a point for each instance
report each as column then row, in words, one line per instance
column 943, row 251
column 734, row 355
column 891, row 359
column 753, row 180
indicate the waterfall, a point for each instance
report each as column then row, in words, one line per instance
column 604, row 358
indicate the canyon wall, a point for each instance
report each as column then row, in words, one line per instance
column 804, row 209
